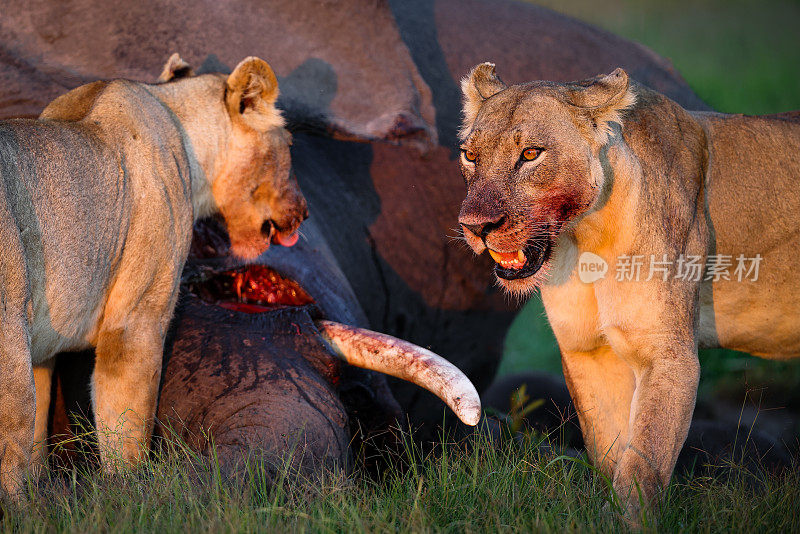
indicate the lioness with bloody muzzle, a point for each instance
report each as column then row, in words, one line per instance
column 97, row 202
column 650, row 230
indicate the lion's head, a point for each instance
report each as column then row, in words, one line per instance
column 530, row 158
column 253, row 186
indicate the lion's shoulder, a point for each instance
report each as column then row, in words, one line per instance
column 74, row 105
column 111, row 104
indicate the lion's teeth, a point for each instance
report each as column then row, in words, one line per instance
column 513, row 260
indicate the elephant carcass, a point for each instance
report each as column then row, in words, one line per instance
column 247, row 372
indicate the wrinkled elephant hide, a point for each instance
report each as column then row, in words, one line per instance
column 342, row 69
column 253, row 383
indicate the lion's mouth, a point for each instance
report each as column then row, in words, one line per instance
column 521, row 263
column 272, row 233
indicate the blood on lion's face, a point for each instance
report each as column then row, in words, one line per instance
column 530, row 160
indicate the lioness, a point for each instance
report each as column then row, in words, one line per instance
column 569, row 180
column 97, row 202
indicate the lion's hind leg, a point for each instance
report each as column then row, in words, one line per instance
column 17, row 402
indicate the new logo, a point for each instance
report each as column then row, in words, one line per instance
column 591, row 267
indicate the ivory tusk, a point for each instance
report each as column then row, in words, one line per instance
column 401, row 359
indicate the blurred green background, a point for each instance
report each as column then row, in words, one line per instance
column 738, row 56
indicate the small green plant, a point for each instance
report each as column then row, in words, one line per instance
column 521, row 406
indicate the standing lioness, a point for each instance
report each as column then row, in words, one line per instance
column 97, row 202
column 651, row 231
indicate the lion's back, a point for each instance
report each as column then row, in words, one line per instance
column 754, row 205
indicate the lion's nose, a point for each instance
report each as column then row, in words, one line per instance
column 481, row 225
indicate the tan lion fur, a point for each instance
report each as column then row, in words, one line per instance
column 97, row 202
column 625, row 171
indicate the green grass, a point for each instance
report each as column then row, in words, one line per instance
column 740, row 57
column 476, row 485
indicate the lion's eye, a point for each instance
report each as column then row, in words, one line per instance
column 530, row 154
column 469, row 155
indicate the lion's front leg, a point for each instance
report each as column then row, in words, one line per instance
column 601, row 386
column 660, row 416
column 124, row 391
column 650, row 325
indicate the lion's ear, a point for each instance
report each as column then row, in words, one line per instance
column 252, row 90
column 602, row 100
column 175, row 68
column 481, row 83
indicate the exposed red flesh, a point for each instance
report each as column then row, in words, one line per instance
column 252, row 289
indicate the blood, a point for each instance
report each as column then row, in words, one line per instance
column 251, row 289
